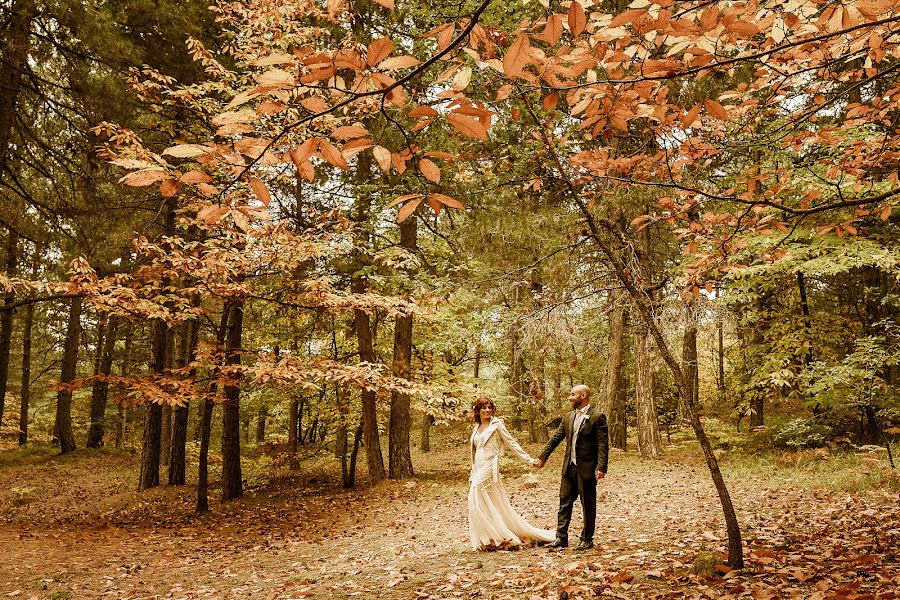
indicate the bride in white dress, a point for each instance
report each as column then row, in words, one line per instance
column 493, row 523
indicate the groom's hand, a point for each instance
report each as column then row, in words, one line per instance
column 600, row 474
column 539, row 464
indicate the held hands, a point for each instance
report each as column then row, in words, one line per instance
column 600, row 474
column 538, row 464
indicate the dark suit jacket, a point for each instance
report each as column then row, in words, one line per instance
column 591, row 443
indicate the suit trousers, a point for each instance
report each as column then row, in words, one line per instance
column 573, row 486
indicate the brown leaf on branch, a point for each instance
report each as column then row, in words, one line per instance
column 468, row 126
column 577, row 18
column 715, row 109
column 448, row 201
column 378, row 51
column 145, row 177
column 332, row 154
column 408, row 209
column 169, row 188
column 518, row 55
column 553, row 30
column 430, row 170
column 261, row 191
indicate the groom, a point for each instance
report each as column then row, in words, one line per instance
column 587, row 454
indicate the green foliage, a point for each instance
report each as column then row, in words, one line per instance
column 802, row 433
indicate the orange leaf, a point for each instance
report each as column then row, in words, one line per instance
column 261, row 191
column 435, row 205
column 142, row 178
column 399, row 62
column 468, row 126
column 408, row 209
column 169, row 188
column 577, row 18
column 715, row 109
column 430, row 170
column 383, row 156
column 306, row 149
column 314, row 104
column 332, row 154
column 196, row 177
column 553, row 30
column 517, row 56
column 551, row 101
column 386, row 3
column 378, row 51
column 403, row 198
column 448, row 201
column 211, row 214
column 349, row 132
column 691, row 115
column 423, row 111
column 446, row 36
column 886, row 212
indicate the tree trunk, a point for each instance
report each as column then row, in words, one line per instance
column 645, row 404
column 293, row 418
column 261, row 418
column 232, row 484
column 720, row 352
column 150, row 454
column 425, row 437
column 177, row 466
column 206, row 419
column 350, row 481
column 14, row 48
column 6, row 318
column 688, row 360
column 27, row 324
column 399, row 458
column 615, row 382
column 371, row 438
column 807, row 321
column 642, row 303
column 125, row 371
column 69, row 368
column 100, row 388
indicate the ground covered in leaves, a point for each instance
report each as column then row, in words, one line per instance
column 72, row 527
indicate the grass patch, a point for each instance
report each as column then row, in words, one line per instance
column 817, row 469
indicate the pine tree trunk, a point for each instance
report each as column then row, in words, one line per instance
column 15, row 45
column 615, row 382
column 399, row 458
column 177, row 466
column 232, row 484
column 100, row 389
column 6, row 318
column 124, row 371
column 261, row 418
column 27, row 324
column 688, row 360
column 69, row 368
column 206, row 413
column 150, row 455
column 647, row 419
column 357, row 438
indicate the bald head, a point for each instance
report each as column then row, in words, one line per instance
column 580, row 396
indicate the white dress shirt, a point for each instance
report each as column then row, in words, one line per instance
column 580, row 416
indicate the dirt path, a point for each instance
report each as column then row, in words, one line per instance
column 298, row 538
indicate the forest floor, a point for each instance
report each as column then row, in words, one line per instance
column 814, row 526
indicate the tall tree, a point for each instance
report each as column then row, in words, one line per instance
column 67, row 375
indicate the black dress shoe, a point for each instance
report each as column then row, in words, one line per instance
column 557, row 544
column 585, row 545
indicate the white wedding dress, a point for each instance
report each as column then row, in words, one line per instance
column 493, row 523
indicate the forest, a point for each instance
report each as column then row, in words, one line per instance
column 260, row 258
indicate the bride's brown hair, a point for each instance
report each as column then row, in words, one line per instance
column 479, row 404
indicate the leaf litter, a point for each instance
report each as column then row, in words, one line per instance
column 301, row 536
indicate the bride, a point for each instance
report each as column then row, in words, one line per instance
column 493, row 523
